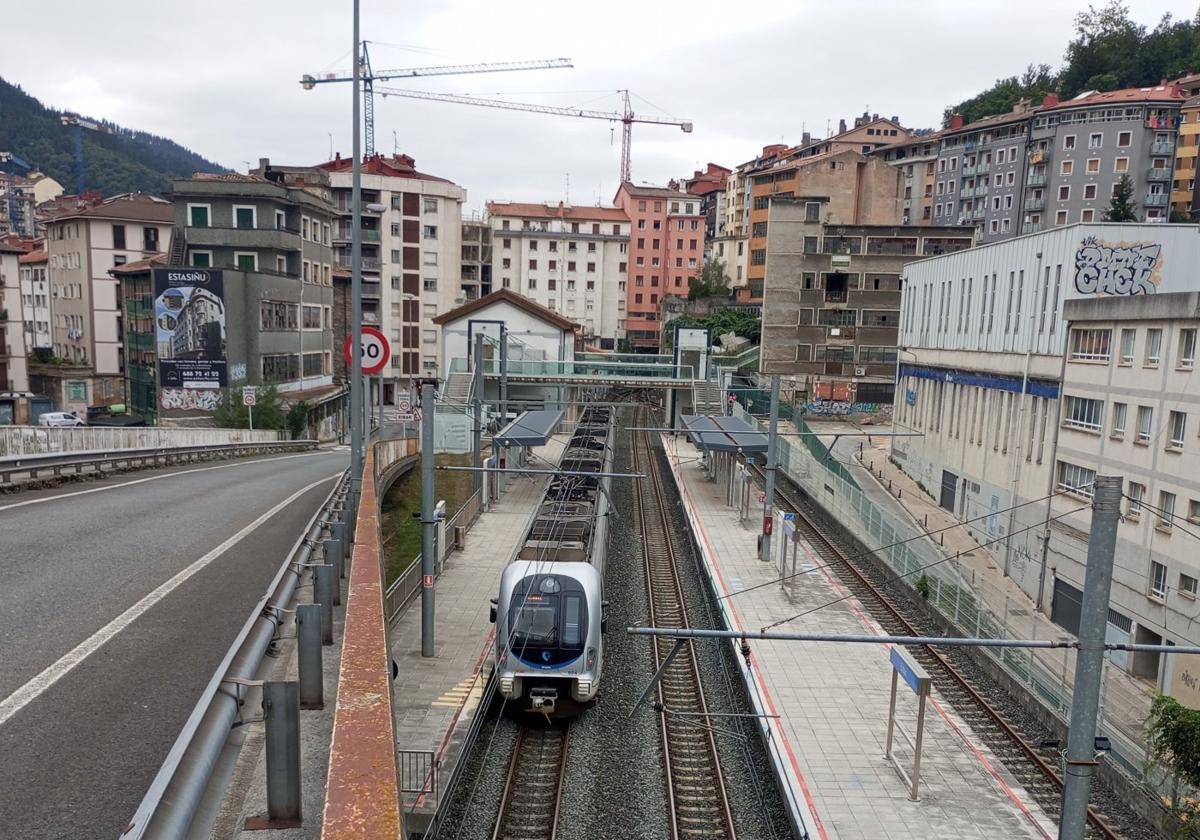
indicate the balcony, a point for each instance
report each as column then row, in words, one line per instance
column 1158, row 175
column 981, row 189
column 1037, row 179
column 1157, row 200
column 243, row 238
column 371, row 290
column 978, row 213
column 368, row 263
column 1035, row 203
column 968, row 171
column 1031, row 227
column 342, row 235
column 1162, row 148
column 840, row 335
column 835, row 295
column 983, row 168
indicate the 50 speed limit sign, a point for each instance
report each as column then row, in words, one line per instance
column 373, row 348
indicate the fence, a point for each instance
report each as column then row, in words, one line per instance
column 905, row 548
column 38, row 440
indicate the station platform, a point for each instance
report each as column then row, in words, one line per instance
column 436, row 700
column 831, row 700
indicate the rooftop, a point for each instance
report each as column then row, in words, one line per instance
column 559, row 211
column 396, row 166
column 652, row 192
column 508, row 296
column 36, row 256
column 132, row 206
column 1158, row 93
column 153, row 261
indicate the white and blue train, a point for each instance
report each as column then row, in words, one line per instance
column 550, row 611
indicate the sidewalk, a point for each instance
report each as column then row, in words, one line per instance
column 832, row 700
column 1125, row 700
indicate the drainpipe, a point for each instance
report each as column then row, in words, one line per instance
column 1050, row 482
column 1014, row 470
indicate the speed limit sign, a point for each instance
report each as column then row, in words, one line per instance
column 373, row 348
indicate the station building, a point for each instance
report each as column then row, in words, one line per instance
column 1004, row 394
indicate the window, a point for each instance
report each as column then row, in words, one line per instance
column 1136, row 493
column 1089, row 192
column 1124, row 138
column 1065, row 167
column 119, row 259
column 507, row 243
column 199, row 215
column 812, row 211
column 77, row 391
column 304, row 227
column 429, row 231
column 430, row 257
column 430, row 204
column 1187, row 349
column 1127, row 341
column 1069, row 142
column 245, row 217
column 246, row 262
column 1075, row 479
column 1118, row 419
column 1090, row 345
column 1095, row 140
column 1060, row 218
column 533, row 245
column 1064, row 193
column 1153, row 347
column 1087, row 216
column 430, row 285
column 1158, row 575
column 1121, row 164
column 1093, row 165
column 1145, row 421
column 1187, row 583
column 1177, row 424
column 1083, row 413
column 118, row 236
column 201, row 259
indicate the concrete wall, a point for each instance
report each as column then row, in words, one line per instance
column 33, row 440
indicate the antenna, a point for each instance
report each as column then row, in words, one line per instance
column 568, row 187
column 330, row 133
column 395, row 143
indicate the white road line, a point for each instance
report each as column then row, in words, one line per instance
column 33, row 689
column 155, row 478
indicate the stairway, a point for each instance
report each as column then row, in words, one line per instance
column 457, row 393
column 706, row 397
column 178, row 254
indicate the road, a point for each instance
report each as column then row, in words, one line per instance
column 119, row 598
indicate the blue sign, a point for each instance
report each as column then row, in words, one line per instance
column 908, row 670
column 910, row 396
column 789, row 524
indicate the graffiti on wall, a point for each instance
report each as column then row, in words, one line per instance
column 189, row 399
column 237, row 372
column 843, row 407
column 1121, row 268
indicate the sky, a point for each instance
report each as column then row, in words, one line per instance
column 221, row 77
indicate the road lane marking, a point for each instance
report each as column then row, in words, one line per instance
column 155, row 478
column 33, row 689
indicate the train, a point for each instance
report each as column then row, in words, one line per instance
column 550, row 612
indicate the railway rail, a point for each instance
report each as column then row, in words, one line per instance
column 533, row 788
column 697, row 799
column 1033, row 769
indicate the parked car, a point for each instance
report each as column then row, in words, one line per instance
column 60, row 418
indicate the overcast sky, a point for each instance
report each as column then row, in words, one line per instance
column 221, row 77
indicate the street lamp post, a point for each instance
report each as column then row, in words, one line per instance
column 356, row 385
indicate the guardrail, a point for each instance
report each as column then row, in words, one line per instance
column 33, row 467
column 34, row 440
column 171, row 803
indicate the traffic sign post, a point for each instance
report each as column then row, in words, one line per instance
column 374, row 350
column 249, row 399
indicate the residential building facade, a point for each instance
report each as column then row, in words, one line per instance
column 981, row 366
column 14, row 371
column 869, row 132
column 666, row 251
column 36, row 315
column 916, row 158
column 476, row 258
column 82, row 246
column 571, row 260
column 831, row 307
column 1183, row 187
column 271, row 235
column 730, row 244
column 840, row 188
column 710, row 186
column 1129, row 408
column 411, row 258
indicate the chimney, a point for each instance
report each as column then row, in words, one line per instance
column 1049, row 100
column 841, row 126
column 264, row 164
column 805, row 139
column 874, row 117
column 956, row 121
column 895, row 119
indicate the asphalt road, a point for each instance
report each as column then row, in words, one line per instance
column 92, row 693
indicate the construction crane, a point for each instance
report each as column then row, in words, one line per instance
column 80, row 124
column 626, row 117
column 369, row 78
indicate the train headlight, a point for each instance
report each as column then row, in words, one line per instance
column 584, row 689
column 591, row 658
column 506, row 686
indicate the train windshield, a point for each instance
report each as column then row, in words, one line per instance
column 535, row 624
column 548, row 619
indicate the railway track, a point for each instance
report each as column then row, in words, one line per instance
column 1033, row 768
column 533, row 787
column 697, row 800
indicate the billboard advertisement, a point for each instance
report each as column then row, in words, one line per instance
column 189, row 318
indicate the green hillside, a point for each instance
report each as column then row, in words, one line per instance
column 125, row 161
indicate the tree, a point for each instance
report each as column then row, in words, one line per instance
column 1173, row 732
column 713, row 282
column 1033, row 84
column 297, row 420
column 268, row 408
column 1123, row 208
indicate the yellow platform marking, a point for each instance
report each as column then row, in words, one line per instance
column 457, row 696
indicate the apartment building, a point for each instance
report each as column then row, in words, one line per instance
column 831, row 306
column 572, row 260
column 869, row 132
column 709, row 185
column 916, row 158
column 730, row 244
column 411, row 255
column 476, row 258
column 270, row 233
column 981, row 367
column 1183, row 185
column 35, row 299
column 840, row 188
column 14, row 372
column 1130, row 407
column 82, row 246
column 20, row 194
column 1058, row 163
column 666, row 250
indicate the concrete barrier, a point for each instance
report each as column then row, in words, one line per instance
column 36, row 440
